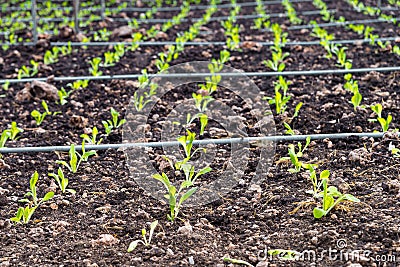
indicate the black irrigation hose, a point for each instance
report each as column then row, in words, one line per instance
column 238, row 17
column 195, row 7
column 244, row 140
column 163, row 43
column 203, row 75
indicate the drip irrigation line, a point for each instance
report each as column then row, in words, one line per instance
column 155, row 20
column 204, row 75
column 244, row 140
column 173, row 8
column 163, row 43
column 335, row 24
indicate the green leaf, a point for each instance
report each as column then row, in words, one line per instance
column 328, row 202
column 48, row 196
column 72, row 191
column 202, row 171
column 133, row 245
column 318, row 213
column 350, row 198
column 325, row 174
column 188, row 194
column 153, row 226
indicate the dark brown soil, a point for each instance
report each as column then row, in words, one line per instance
column 95, row 226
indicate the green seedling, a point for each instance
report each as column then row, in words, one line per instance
column 284, row 254
column 109, row 125
column 289, row 129
column 235, row 261
column 328, row 199
column 201, row 101
column 187, row 143
column 356, row 99
column 136, row 38
column 278, row 56
column 342, row 58
column 294, row 156
column 23, row 214
column 5, row 135
column 377, row 109
column 95, row 63
column 92, row 140
column 39, row 117
column 291, row 12
column 174, row 194
column 75, row 158
column 313, row 177
column 280, row 100
column 6, row 85
column 145, row 242
column 63, row 95
column 33, row 193
column 14, row 130
column 189, row 171
column 394, row 150
column 62, row 181
column 139, row 101
column 76, row 85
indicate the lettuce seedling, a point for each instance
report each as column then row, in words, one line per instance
column 109, row 125
column 145, row 242
column 23, row 214
column 63, row 95
column 5, row 135
column 377, row 109
column 294, row 157
column 174, row 194
column 76, row 85
column 201, row 101
column 39, row 117
column 14, row 130
column 284, row 254
column 95, row 63
column 115, row 121
column 236, row 261
column 139, row 101
column 92, row 140
column 33, row 194
column 187, row 143
column 328, row 199
column 62, row 181
column 313, row 177
column 75, row 158
column 394, row 150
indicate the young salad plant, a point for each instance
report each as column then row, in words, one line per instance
column 109, row 125
column 92, row 140
column 14, row 130
column 75, row 158
column 331, row 197
column 26, row 213
column 294, row 157
column 145, row 242
column 377, row 109
column 62, row 181
column 174, row 196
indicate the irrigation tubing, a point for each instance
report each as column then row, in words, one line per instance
column 162, row 9
column 204, row 75
column 238, row 140
column 238, row 17
column 305, row 43
column 336, row 24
